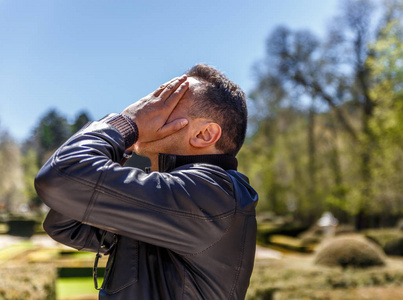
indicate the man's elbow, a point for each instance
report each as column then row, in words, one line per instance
column 65, row 230
column 48, row 227
column 48, row 185
column 55, row 233
column 41, row 185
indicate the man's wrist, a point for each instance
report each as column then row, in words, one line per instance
column 126, row 127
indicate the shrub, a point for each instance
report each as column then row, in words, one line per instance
column 344, row 229
column 394, row 247
column 21, row 227
column 390, row 239
column 311, row 236
column 316, row 234
column 350, row 251
column 265, row 230
column 289, row 243
column 32, row 281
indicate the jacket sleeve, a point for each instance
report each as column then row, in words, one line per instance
column 76, row 234
column 186, row 210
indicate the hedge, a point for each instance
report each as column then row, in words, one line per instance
column 31, row 281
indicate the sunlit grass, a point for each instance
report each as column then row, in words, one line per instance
column 69, row 288
column 3, row 228
column 43, row 255
column 81, row 255
column 12, row 251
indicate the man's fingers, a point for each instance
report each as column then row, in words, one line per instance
column 158, row 91
column 172, row 127
column 173, row 100
column 171, row 87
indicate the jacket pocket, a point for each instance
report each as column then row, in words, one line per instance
column 124, row 265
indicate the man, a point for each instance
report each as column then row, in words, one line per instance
column 184, row 230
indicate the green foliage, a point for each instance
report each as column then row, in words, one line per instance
column 289, row 243
column 390, row 239
column 349, row 251
column 313, row 235
column 30, row 166
column 394, row 247
column 266, row 230
column 383, row 236
column 387, row 124
column 52, row 130
column 80, row 121
column 329, row 121
column 21, row 227
column 11, row 175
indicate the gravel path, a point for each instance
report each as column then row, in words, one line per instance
column 262, row 252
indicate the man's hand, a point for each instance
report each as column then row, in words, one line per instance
column 151, row 112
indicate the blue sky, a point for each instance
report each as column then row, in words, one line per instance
column 101, row 55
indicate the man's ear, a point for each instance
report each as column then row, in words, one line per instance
column 208, row 135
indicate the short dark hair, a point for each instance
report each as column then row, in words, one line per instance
column 223, row 102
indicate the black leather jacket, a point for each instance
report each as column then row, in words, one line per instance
column 186, row 232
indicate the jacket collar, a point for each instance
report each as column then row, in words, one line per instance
column 169, row 162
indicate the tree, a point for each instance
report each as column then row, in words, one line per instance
column 11, row 174
column 30, row 166
column 387, row 124
column 81, row 119
column 330, row 83
column 52, row 130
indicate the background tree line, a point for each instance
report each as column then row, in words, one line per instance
column 328, row 119
column 20, row 163
column 326, row 123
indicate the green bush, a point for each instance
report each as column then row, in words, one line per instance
column 316, row 234
column 32, row 281
column 266, row 229
column 311, row 236
column 390, row 239
column 21, row 227
column 289, row 243
column 350, row 251
column 345, row 229
column 394, row 247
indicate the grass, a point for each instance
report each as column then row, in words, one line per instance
column 3, row 228
column 80, row 255
column 76, row 288
column 43, row 255
column 15, row 250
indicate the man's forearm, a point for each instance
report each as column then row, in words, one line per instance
column 78, row 165
column 74, row 234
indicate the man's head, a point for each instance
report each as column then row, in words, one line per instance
column 223, row 102
column 216, row 110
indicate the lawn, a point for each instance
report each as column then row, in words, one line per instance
column 76, row 288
